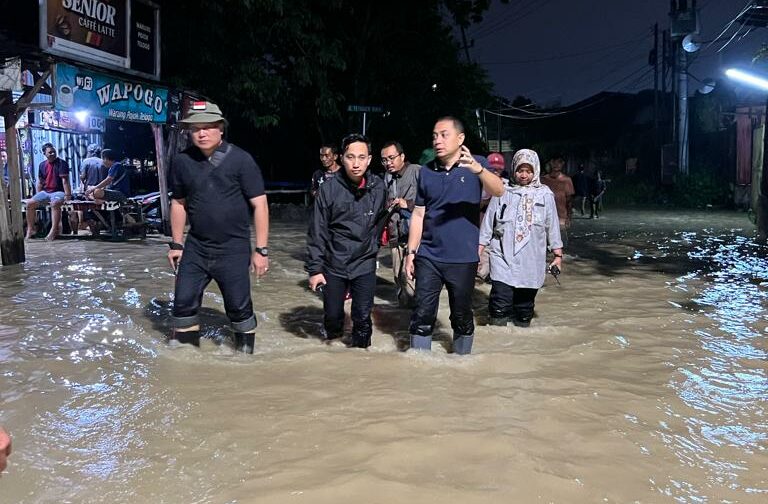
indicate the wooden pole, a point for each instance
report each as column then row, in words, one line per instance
column 162, row 179
column 11, row 230
column 11, row 226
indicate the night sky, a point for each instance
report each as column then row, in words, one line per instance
column 563, row 51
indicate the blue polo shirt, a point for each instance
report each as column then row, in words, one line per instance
column 451, row 200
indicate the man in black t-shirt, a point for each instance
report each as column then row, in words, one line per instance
column 219, row 188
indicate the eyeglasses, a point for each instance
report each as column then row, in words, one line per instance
column 389, row 159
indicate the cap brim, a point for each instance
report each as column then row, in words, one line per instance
column 203, row 118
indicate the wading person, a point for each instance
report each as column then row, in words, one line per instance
column 444, row 235
column 400, row 178
column 516, row 230
column 53, row 188
column 562, row 187
column 343, row 240
column 329, row 159
column 219, row 188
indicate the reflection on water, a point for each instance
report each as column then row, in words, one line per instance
column 642, row 379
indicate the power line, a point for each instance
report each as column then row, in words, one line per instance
column 572, row 55
column 498, row 27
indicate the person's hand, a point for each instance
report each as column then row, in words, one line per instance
column 467, row 161
column 401, row 202
column 5, row 449
column 67, row 197
column 259, row 264
column 316, row 280
column 174, row 257
column 557, row 261
column 409, row 266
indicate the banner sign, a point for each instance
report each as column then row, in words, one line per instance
column 107, row 96
column 94, row 29
column 143, row 38
column 121, row 34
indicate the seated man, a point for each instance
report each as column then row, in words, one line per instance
column 115, row 187
column 52, row 187
column 92, row 171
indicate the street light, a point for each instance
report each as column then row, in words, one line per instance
column 747, row 78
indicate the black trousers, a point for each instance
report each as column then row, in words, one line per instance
column 511, row 302
column 231, row 273
column 362, row 289
column 459, row 279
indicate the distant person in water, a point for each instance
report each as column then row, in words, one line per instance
column 517, row 229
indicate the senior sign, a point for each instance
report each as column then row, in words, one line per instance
column 121, row 34
column 108, row 96
column 95, row 29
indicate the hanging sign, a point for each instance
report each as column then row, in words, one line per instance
column 111, row 97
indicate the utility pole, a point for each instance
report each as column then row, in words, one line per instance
column 682, row 100
column 465, row 45
column 656, row 89
column 684, row 22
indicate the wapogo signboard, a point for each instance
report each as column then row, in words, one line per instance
column 108, row 96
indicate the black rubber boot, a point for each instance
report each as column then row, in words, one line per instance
column 360, row 342
column 499, row 321
column 186, row 337
column 462, row 345
column 244, row 342
column 521, row 323
column 421, row 342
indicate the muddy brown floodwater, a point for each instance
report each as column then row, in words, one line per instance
column 642, row 379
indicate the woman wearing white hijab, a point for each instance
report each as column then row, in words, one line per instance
column 517, row 227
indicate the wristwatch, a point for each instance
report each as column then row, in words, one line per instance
column 175, row 245
column 410, row 252
column 264, row 251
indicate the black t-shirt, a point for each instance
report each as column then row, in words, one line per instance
column 217, row 193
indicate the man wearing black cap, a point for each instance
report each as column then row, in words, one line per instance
column 219, row 188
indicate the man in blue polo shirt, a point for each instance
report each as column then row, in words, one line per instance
column 444, row 235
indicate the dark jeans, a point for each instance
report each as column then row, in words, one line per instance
column 511, row 302
column 362, row 289
column 459, row 279
column 232, row 276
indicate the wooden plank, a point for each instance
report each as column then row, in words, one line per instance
column 162, row 176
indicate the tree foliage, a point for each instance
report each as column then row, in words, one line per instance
column 289, row 69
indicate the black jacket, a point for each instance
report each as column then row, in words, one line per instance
column 343, row 219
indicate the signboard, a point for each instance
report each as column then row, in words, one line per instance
column 143, row 46
column 103, row 32
column 93, row 29
column 111, row 97
column 57, row 119
column 365, row 108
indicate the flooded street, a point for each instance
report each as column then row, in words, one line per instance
column 643, row 378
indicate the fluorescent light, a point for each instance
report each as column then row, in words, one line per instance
column 747, row 78
column 82, row 116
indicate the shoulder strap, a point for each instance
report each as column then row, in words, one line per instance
column 218, row 157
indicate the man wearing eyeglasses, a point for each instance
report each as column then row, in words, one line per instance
column 329, row 158
column 401, row 179
column 218, row 187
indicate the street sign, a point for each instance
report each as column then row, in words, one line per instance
column 365, row 108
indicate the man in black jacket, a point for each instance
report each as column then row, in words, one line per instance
column 343, row 241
